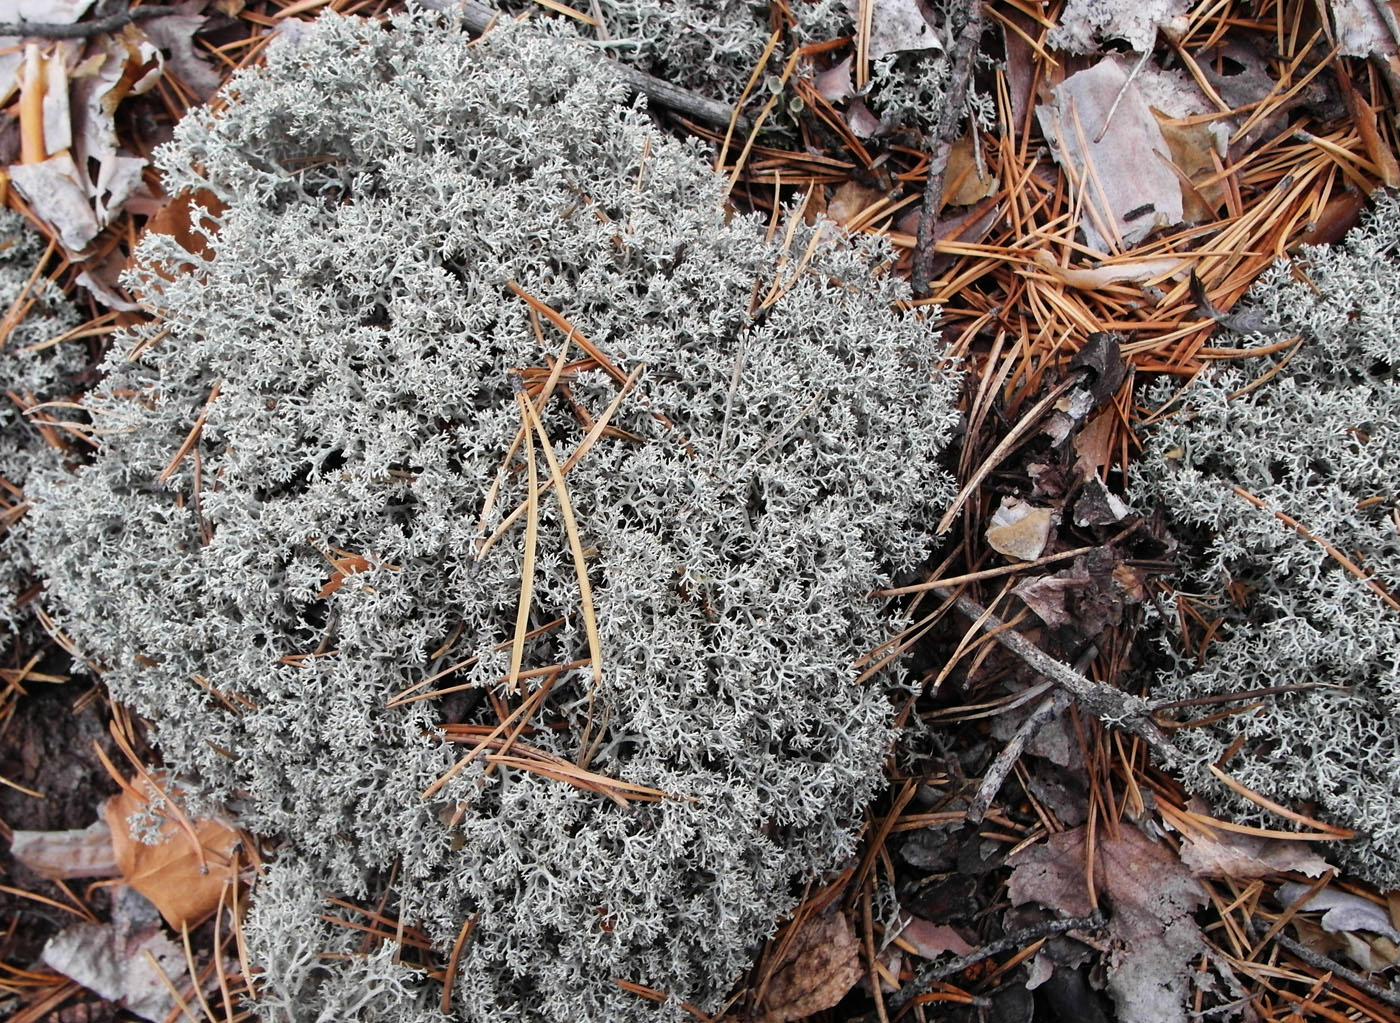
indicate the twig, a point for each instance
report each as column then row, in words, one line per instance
column 995, row 776
column 934, row 972
column 84, row 29
column 1113, row 707
column 966, row 21
column 1319, row 961
column 478, row 17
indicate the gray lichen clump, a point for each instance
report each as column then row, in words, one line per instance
column 31, row 372
column 715, row 46
column 1319, row 442
column 264, row 593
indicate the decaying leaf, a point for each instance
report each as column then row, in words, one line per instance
column 899, row 26
column 1342, row 911
column 822, row 964
column 1020, row 530
column 1150, row 896
column 967, row 180
column 184, row 875
column 56, row 193
column 931, row 940
column 835, row 83
column 850, row 200
column 1360, row 29
column 61, row 855
column 1244, row 857
column 175, row 35
column 123, row 960
column 1084, row 23
column 1120, row 165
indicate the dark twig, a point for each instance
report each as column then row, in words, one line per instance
column 477, row 17
column 932, row 973
column 965, row 20
column 995, row 776
column 1319, row 961
column 1115, row 708
column 85, row 29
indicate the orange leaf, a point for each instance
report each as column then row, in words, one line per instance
column 169, row 873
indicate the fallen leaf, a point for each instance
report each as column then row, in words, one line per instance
column 345, row 567
column 835, row 84
column 57, row 195
column 1150, row 896
column 1097, row 505
column 850, row 200
column 1046, row 596
column 1020, row 530
column 111, row 960
column 175, row 35
column 822, row 964
column 899, row 26
column 931, row 940
column 967, row 182
column 1084, row 23
column 1120, row 164
column 1341, row 911
column 1360, row 30
column 1245, row 857
column 170, row 872
column 1092, row 444
column 60, row 855
column 860, row 120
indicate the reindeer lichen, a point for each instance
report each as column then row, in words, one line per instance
column 391, row 207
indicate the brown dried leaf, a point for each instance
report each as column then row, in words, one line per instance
column 931, row 940
column 1150, row 895
column 59, row 855
column 850, row 201
column 170, row 873
column 1245, row 857
column 822, row 964
column 967, row 182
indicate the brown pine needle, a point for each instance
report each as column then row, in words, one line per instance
column 192, row 439
column 568, row 328
column 1332, row 551
column 468, row 925
column 1268, row 804
column 545, row 393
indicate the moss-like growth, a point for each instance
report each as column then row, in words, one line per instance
column 31, row 372
column 1319, row 442
column 316, row 551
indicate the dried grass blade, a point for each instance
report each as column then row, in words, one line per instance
column 532, row 530
column 566, row 508
column 588, row 441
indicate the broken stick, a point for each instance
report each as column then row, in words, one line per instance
column 1113, row 707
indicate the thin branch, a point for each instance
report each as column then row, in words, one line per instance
column 934, row 972
column 1113, row 707
column 85, row 29
column 1320, row 962
column 478, row 17
column 966, row 23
